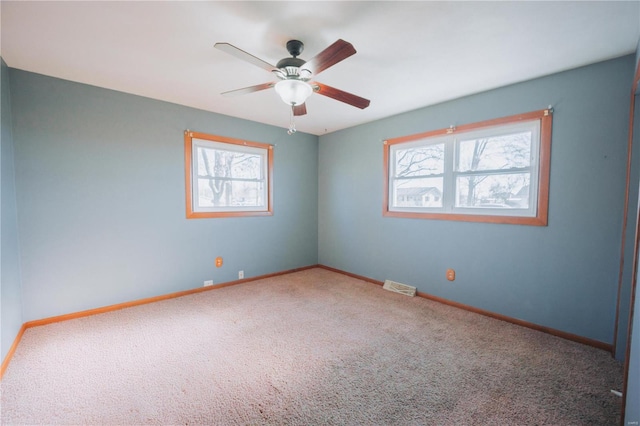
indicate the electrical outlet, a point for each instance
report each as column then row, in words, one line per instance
column 240, row 275
column 208, row 283
column 451, row 274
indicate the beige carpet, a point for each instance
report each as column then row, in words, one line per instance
column 308, row 348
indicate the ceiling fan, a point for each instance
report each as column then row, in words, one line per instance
column 296, row 75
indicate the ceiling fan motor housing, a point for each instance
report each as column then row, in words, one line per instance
column 290, row 67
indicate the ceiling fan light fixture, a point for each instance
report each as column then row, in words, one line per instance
column 293, row 92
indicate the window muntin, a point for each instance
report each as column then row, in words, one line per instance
column 227, row 177
column 486, row 172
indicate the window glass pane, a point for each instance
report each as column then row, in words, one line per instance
column 425, row 192
column 506, row 191
column 495, row 152
column 420, row 161
column 222, row 163
column 226, row 193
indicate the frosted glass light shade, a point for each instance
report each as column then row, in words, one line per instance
column 293, row 92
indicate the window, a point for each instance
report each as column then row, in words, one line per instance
column 227, row 177
column 495, row 171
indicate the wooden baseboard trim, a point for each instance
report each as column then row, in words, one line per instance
column 349, row 274
column 559, row 333
column 50, row 320
column 563, row 334
column 147, row 300
column 5, row 362
column 118, row 306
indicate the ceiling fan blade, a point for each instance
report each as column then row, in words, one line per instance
column 300, row 109
column 341, row 95
column 330, row 56
column 250, row 89
column 241, row 54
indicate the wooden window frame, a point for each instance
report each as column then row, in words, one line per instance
column 544, row 161
column 188, row 166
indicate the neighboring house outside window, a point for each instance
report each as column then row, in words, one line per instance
column 423, row 197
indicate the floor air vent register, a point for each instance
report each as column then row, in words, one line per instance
column 407, row 290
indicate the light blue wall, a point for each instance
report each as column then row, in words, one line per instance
column 11, row 298
column 100, row 191
column 562, row 276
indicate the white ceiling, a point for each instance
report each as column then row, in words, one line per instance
column 410, row 54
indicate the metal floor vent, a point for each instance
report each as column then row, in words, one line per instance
column 407, row 290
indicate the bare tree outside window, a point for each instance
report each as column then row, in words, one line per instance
column 420, row 161
column 499, row 163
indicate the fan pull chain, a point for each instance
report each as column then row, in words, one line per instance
column 292, row 124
